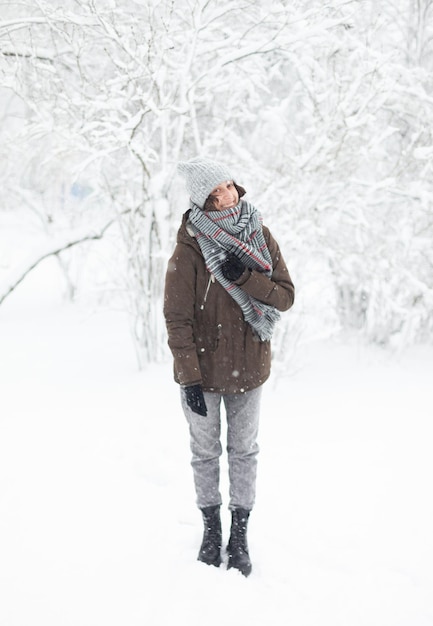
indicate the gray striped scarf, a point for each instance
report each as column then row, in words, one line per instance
column 237, row 230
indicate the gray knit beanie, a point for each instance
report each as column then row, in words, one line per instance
column 201, row 176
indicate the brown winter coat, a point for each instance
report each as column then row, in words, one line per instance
column 208, row 337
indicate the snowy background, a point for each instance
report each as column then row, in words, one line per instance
column 325, row 113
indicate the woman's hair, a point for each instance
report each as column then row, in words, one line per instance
column 209, row 205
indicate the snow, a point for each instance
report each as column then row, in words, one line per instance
column 98, row 524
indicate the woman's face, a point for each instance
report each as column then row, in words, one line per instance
column 224, row 196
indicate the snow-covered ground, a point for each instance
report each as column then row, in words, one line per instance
column 98, row 525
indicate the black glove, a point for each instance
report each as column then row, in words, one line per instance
column 195, row 399
column 232, row 267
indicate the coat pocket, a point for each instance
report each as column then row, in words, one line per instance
column 207, row 338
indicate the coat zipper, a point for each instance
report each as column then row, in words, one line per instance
column 211, row 280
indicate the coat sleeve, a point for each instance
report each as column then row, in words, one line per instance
column 179, row 303
column 278, row 290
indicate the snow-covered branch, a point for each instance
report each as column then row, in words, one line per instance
column 59, row 249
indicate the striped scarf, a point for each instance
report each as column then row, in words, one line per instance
column 237, row 230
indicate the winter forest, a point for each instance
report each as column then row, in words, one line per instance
column 323, row 109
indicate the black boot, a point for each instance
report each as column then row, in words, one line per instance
column 210, row 550
column 237, row 547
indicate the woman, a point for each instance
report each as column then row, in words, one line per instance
column 225, row 285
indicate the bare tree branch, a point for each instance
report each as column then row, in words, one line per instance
column 56, row 252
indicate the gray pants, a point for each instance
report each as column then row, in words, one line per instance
column 242, row 412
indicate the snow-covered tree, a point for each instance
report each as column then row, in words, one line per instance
column 324, row 111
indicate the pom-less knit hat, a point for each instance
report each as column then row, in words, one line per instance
column 201, row 176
